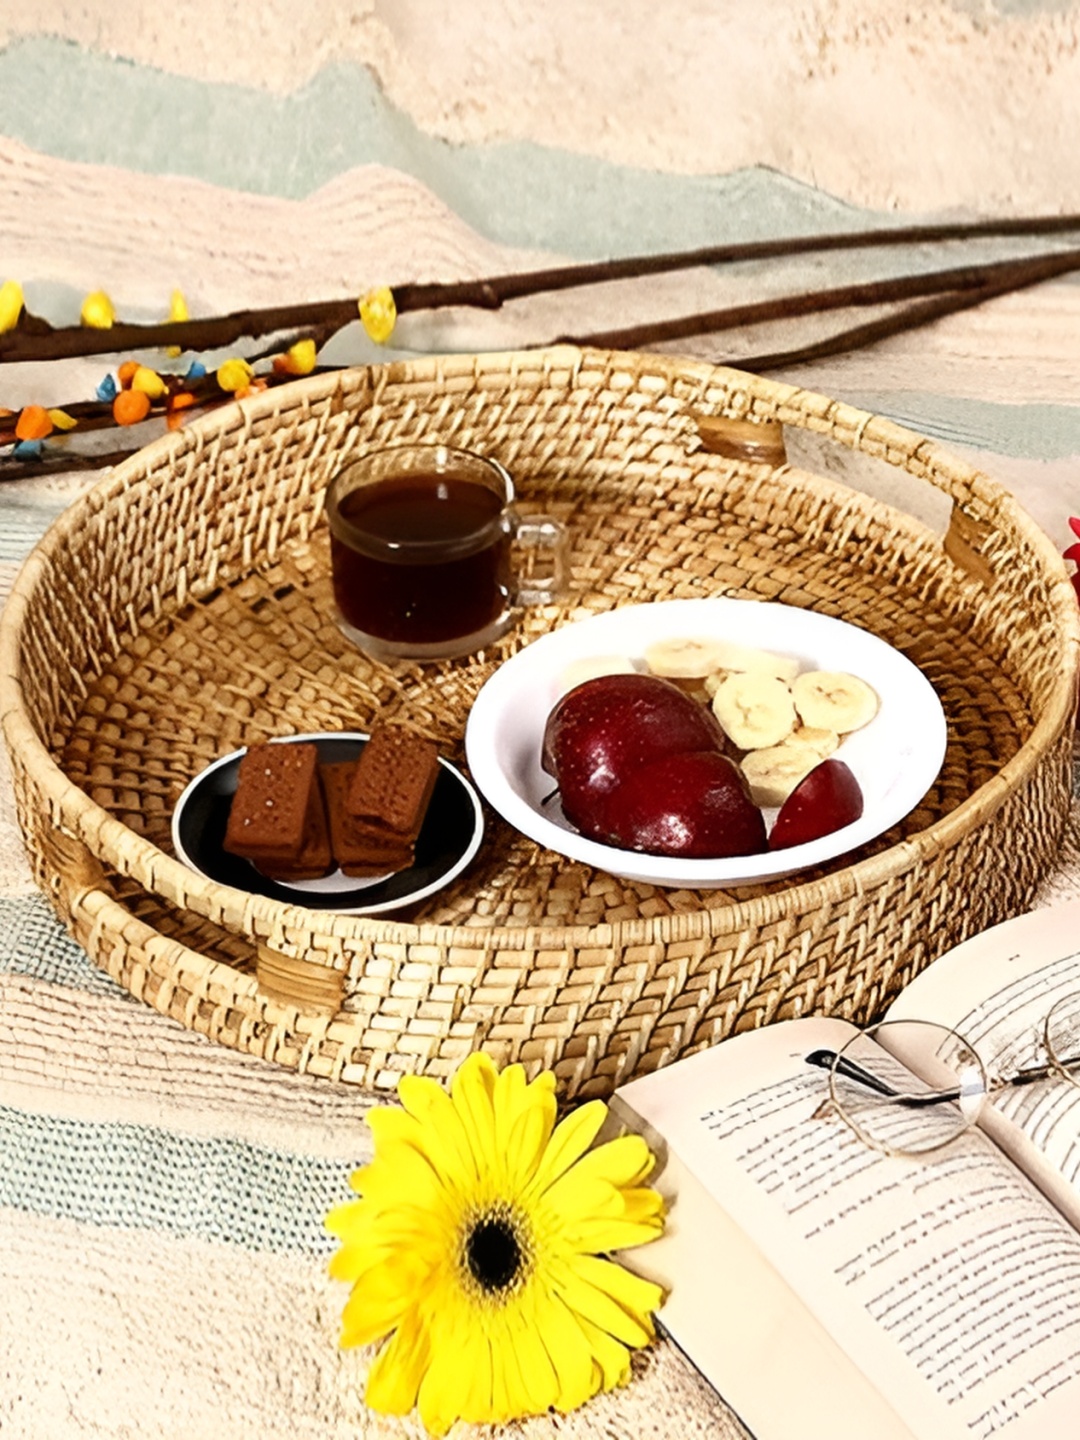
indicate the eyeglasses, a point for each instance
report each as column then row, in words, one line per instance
column 873, row 1089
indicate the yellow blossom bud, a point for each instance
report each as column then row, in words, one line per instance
column 178, row 313
column 299, row 359
column 11, row 304
column 178, row 309
column 149, row 382
column 379, row 313
column 97, row 311
column 234, row 374
column 62, row 420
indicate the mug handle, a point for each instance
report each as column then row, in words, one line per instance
column 541, row 532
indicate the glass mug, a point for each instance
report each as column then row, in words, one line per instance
column 420, row 552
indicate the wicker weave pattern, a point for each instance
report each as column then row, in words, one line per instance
column 182, row 609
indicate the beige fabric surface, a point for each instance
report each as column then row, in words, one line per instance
column 162, row 1266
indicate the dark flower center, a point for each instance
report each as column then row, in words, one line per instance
column 493, row 1254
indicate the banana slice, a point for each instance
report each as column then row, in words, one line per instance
column 683, row 658
column 822, row 742
column 747, row 661
column 754, row 711
column 772, row 774
column 590, row 667
column 833, row 700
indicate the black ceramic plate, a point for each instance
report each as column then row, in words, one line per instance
column 448, row 839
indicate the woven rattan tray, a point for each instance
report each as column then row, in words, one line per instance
column 181, row 609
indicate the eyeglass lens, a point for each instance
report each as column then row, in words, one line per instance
column 893, row 1109
column 1062, row 1038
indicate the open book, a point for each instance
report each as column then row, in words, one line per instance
column 832, row 1292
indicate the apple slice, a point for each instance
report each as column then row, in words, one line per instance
column 825, row 800
column 694, row 805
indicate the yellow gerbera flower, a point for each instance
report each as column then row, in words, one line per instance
column 477, row 1246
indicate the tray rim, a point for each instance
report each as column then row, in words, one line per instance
column 78, row 816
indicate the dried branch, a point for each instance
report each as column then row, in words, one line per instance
column 35, row 339
column 979, row 281
column 950, row 290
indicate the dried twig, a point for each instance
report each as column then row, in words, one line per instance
column 36, row 339
column 950, row 290
column 979, row 282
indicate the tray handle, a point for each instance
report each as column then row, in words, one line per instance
column 78, row 885
column 761, row 441
column 755, row 441
column 304, row 983
column 963, row 543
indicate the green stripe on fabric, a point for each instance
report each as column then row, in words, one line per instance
column 1024, row 432
column 140, row 1177
column 34, row 944
column 115, row 112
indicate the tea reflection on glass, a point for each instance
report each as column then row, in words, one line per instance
column 420, row 552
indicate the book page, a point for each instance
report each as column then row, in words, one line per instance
column 997, row 990
column 948, row 1279
column 738, row 1321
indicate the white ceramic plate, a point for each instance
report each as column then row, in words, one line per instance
column 895, row 758
column 448, row 839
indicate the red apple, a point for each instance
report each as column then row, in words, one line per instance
column 825, row 800
column 695, row 805
column 606, row 729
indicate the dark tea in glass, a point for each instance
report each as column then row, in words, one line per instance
column 420, row 541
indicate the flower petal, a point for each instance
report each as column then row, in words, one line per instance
column 595, row 1237
column 571, row 1139
column 524, row 1120
column 612, row 1358
column 577, row 1197
column 624, row 1161
column 593, row 1186
column 644, row 1207
column 369, row 1244
column 570, row 1352
column 477, row 1405
column 635, row 1295
column 596, row 1305
column 442, row 1135
column 381, row 1298
column 472, row 1091
column 446, row 1388
column 394, row 1378
column 406, row 1175
column 537, row 1378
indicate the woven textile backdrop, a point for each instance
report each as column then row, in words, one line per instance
column 161, row 1251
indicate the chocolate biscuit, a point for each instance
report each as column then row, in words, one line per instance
column 314, row 859
column 359, row 848
column 393, row 780
column 269, row 812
